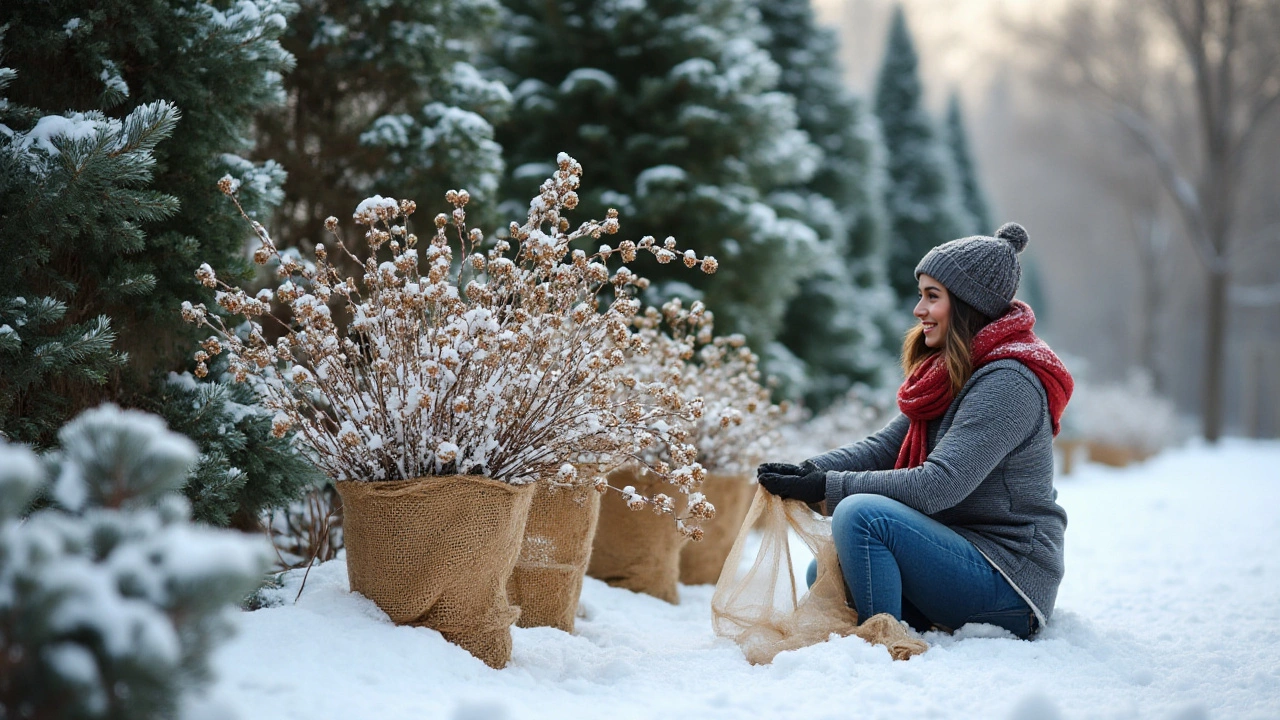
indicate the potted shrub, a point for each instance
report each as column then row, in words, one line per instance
column 737, row 429
column 448, row 381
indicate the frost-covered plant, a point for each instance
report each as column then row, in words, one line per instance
column 1127, row 414
column 859, row 413
column 307, row 530
column 739, row 424
column 110, row 599
column 243, row 470
column 503, row 364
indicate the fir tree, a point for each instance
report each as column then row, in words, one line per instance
column 672, row 107
column 217, row 67
column 110, row 601
column 243, row 470
column 838, row 325
column 920, row 197
column 384, row 99
column 975, row 200
column 118, row 119
column 70, row 185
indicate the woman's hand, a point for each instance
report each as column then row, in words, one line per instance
column 780, row 469
column 810, row 487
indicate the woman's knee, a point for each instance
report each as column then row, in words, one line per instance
column 856, row 514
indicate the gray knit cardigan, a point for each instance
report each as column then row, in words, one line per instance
column 988, row 476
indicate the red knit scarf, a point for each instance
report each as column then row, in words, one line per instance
column 926, row 394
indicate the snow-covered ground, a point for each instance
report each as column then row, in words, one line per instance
column 1170, row 610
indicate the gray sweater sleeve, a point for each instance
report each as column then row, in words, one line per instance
column 878, row 451
column 1000, row 411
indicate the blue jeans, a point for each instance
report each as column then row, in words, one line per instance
column 900, row 561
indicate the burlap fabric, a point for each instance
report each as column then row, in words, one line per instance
column 638, row 549
column 437, row 552
column 700, row 562
column 761, row 607
column 547, row 580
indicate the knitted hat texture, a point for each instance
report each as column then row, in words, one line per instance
column 983, row 271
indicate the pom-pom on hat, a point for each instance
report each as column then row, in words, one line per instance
column 983, row 271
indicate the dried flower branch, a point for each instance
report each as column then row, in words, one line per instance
column 740, row 425
column 488, row 364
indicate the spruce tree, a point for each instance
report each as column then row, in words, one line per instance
column 119, row 118
column 384, row 100
column 920, row 197
column 216, row 65
column 839, row 326
column 975, row 200
column 110, row 601
column 673, row 110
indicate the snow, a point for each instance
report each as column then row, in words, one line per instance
column 76, row 126
column 1169, row 610
column 110, row 77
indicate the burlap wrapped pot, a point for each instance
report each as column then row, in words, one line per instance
column 638, row 549
column 437, row 552
column 547, row 580
column 731, row 494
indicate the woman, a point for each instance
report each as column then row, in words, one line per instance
column 948, row 515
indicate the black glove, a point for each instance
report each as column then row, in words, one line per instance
column 779, row 469
column 809, row 488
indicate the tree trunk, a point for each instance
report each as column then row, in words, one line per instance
column 1215, row 352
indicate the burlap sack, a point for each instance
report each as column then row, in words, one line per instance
column 437, row 552
column 638, row 549
column 700, row 562
column 761, row 608
column 547, row 580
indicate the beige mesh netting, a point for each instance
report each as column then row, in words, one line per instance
column 547, row 580
column 761, row 606
column 437, row 552
column 700, row 562
column 638, row 549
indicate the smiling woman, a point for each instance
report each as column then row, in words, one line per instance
column 947, row 324
column 948, row 515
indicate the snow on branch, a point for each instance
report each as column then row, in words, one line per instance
column 739, row 425
column 457, row 354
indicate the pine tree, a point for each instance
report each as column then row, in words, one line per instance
column 672, row 107
column 838, row 324
column 110, row 600
column 119, row 118
column 975, row 200
column 69, row 185
column 920, row 197
column 243, row 470
column 217, row 67
column 384, row 99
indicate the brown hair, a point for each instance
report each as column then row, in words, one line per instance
column 965, row 322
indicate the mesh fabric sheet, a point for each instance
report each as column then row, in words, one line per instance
column 761, row 606
column 700, row 562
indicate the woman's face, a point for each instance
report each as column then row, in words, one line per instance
column 933, row 310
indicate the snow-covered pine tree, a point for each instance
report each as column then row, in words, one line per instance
column 217, row 64
column 840, row 325
column 971, row 192
column 243, row 470
column 385, row 99
column 673, row 108
column 110, row 600
column 920, row 196
column 66, row 181
column 103, row 107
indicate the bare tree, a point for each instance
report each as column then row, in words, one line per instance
column 1193, row 82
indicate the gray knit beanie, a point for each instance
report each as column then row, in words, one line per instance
column 980, row 270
